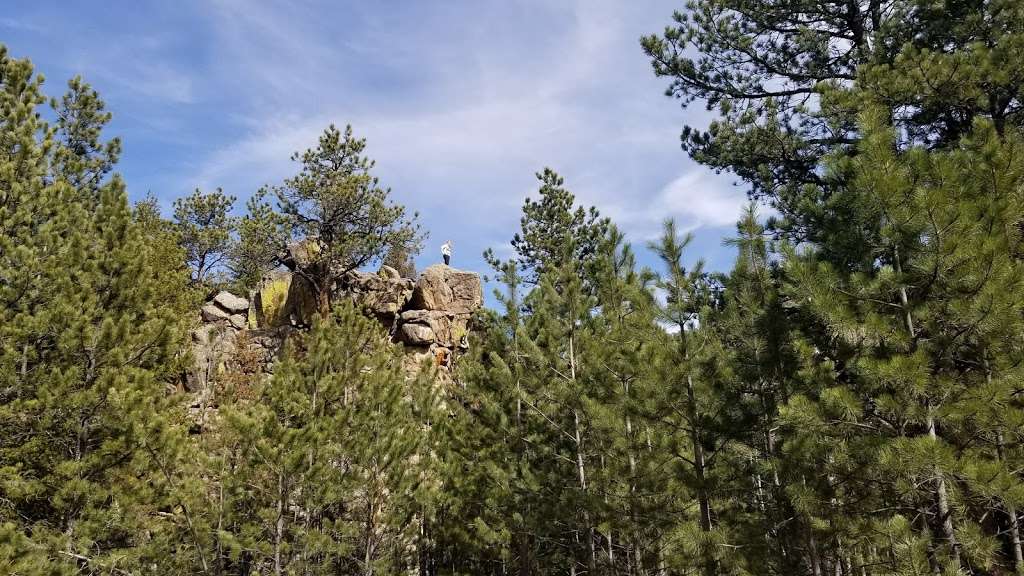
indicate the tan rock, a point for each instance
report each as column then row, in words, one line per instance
column 441, row 287
column 212, row 313
column 382, row 295
column 282, row 299
column 449, row 329
column 301, row 254
column 416, row 334
column 415, row 358
column 389, row 273
column 228, row 301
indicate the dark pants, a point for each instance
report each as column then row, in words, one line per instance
column 447, row 258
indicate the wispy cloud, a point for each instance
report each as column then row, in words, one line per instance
column 142, row 66
column 461, row 102
column 473, row 102
column 22, row 25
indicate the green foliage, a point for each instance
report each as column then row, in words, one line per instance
column 320, row 474
column 87, row 350
column 401, row 258
column 261, row 236
column 766, row 69
column 552, row 232
column 337, row 203
column 82, row 158
column 205, row 230
column 846, row 400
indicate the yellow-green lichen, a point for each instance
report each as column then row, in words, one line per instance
column 272, row 300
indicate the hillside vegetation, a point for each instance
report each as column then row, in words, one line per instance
column 847, row 400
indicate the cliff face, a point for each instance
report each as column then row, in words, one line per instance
column 429, row 316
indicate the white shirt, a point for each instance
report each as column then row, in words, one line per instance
column 446, row 249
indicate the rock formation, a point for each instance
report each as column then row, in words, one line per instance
column 430, row 317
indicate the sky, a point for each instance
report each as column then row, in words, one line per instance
column 461, row 103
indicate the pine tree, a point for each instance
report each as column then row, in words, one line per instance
column 762, row 67
column 82, row 158
column 908, row 337
column 87, row 351
column 688, row 408
column 338, row 205
column 261, row 235
column 549, row 225
column 322, row 468
column 205, row 230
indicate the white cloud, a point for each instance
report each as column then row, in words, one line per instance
column 140, row 66
column 699, row 198
column 461, row 103
column 22, row 25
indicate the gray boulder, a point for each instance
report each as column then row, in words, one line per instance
column 213, row 313
column 230, row 302
column 444, row 288
column 416, row 334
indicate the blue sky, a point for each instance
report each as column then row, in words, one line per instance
column 461, row 102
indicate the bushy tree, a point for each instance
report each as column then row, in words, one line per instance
column 762, row 68
column 340, row 210
column 319, row 473
column 83, row 158
column 205, row 230
column 551, row 224
column 261, row 235
column 87, row 352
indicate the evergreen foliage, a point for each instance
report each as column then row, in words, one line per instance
column 846, row 400
column 205, row 230
column 87, row 349
column 320, row 471
column 338, row 205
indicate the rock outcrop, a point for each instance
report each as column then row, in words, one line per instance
column 430, row 316
column 442, row 288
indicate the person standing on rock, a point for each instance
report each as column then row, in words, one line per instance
column 446, row 252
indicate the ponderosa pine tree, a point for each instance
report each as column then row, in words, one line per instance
column 550, row 224
column 688, row 408
column 320, row 471
column 83, row 158
column 910, row 338
column 261, row 234
column 339, row 208
column 87, row 350
column 205, row 230
column 762, row 67
column 489, row 525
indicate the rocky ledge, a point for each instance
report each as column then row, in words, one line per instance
column 429, row 316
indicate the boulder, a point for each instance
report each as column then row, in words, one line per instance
column 415, row 358
column 388, row 273
column 212, row 313
column 228, row 301
column 237, row 321
column 449, row 329
column 301, row 254
column 444, row 288
column 201, row 335
column 212, row 344
column 416, row 334
column 382, row 295
column 281, row 299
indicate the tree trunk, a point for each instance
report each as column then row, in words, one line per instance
column 945, row 517
column 279, row 525
column 1014, row 521
column 945, row 514
column 815, row 557
column 698, row 459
